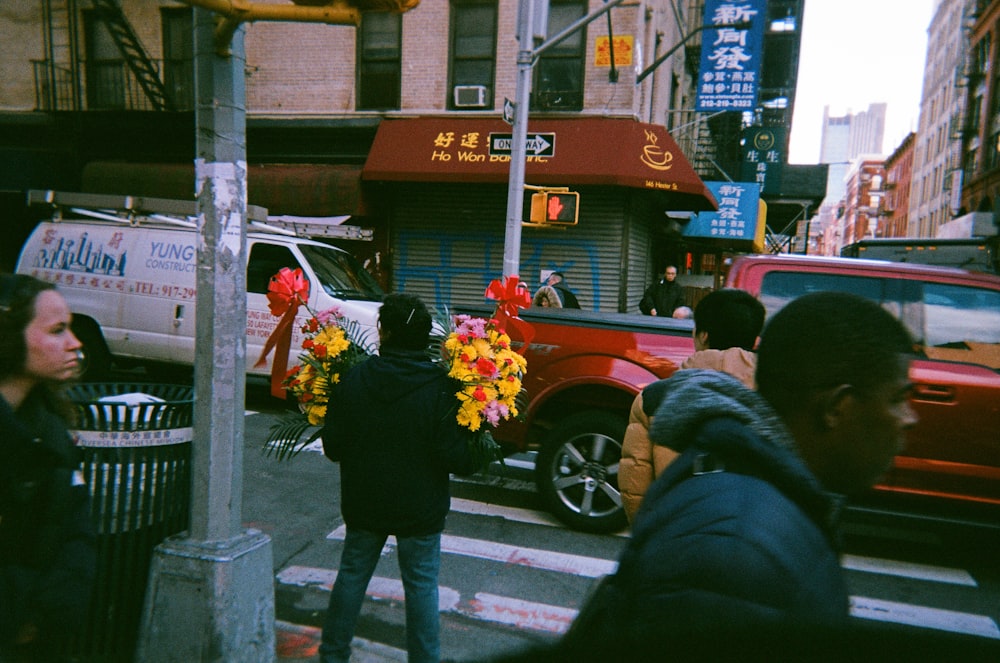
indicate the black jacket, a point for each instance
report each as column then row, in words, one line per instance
column 567, row 298
column 391, row 424
column 47, row 541
column 664, row 296
column 734, row 546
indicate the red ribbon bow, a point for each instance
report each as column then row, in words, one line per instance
column 287, row 290
column 511, row 295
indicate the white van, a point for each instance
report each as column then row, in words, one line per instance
column 126, row 266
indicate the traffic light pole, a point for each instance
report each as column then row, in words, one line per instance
column 529, row 11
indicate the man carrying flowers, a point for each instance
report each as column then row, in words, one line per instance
column 390, row 423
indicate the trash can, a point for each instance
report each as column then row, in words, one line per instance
column 136, row 443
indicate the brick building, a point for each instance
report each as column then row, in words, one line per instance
column 898, row 176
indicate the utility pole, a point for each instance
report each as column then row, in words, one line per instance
column 532, row 19
column 211, row 592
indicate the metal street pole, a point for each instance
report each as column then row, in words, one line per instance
column 529, row 13
column 211, row 591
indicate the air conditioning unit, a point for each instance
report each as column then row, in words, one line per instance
column 470, row 96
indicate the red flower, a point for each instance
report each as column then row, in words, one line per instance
column 479, row 394
column 319, row 350
column 485, row 367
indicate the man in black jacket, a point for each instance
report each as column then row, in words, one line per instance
column 663, row 297
column 390, row 425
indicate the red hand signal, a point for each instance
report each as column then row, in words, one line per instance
column 555, row 207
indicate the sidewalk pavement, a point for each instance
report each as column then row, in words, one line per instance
column 301, row 643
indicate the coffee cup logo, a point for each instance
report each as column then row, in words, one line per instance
column 655, row 156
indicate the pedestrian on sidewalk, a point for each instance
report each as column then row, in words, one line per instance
column 390, row 424
column 47, row 542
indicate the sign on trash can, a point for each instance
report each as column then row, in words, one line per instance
column 136, row 444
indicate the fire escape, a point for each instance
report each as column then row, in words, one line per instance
column 60, row 78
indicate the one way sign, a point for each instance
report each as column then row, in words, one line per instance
column 536, row 145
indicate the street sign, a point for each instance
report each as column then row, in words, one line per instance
column 536, row 145
column 508, row 111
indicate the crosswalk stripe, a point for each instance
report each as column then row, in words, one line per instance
column 507, row 512
column 548, row 560
column 511, row 513
column 922, row 616
column 484, row 607
column 907, row 570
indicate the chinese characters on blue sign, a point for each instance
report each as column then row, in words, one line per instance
column 764, row 157
column 730, row 57
column 737, row 217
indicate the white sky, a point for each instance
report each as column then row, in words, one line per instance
column 855, row 53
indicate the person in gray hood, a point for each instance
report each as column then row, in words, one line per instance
column 735, row 547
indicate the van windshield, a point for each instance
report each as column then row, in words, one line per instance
column 341, row 275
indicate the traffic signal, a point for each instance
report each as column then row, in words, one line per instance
column 555, row 207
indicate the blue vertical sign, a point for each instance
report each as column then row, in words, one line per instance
column 728, row 77
column 737, row 217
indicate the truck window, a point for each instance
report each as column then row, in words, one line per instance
column 265, row 261
column 341, row 275
column 956, row 315
column 779, row 288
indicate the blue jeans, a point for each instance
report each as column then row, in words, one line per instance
column 419, row 563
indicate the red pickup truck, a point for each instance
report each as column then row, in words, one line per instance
column 585, row 368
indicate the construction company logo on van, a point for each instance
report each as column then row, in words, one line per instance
column 90, row 258
column 79, row 252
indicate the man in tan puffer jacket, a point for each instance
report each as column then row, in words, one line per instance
column 727, row 324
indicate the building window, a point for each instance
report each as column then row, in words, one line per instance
column 106, row 85
column 473, row 54
column 178, row 55
column 559, row 72
column 379, row 61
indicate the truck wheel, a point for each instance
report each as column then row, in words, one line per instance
column 577, row 471
column 97, row 362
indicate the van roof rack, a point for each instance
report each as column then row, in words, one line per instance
column 314, row 226
column 135, row 210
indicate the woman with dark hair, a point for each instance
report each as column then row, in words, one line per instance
column 390, row 424
column 47, row 543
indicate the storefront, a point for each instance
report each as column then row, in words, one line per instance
column 442, row 184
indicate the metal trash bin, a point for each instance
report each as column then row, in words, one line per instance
column 136, row 443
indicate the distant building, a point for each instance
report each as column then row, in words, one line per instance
column 847, row 137
column 842, row 140
column 898, row 177
column 936, row 191
column 981, row 129
column 863, row 201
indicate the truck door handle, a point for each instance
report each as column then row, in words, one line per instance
column 937, row 393
column 178, row 315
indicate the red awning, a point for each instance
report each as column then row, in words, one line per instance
column 562, row 152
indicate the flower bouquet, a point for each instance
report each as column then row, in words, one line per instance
column 487, row 371
column 331, row 346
